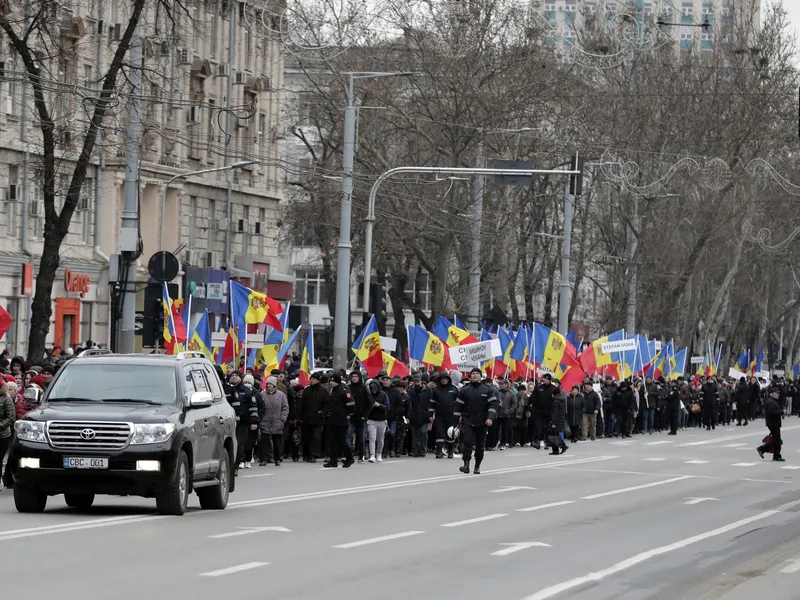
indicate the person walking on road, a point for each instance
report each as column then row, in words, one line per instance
column 376, row 421
column 7, row 417
column 441, row 407
column 476, row 407
column 313, row 406
column 773, row 414
column 591, row 407
column 276, row 406
column 558, row 420
column 340, row 407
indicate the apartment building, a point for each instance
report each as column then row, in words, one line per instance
column 209, row 98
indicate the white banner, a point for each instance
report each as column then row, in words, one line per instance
column 658, row 345
column 470, row 356
column 734, row 374
column 779, row 372
column 388, row 344
column 218, row 339
column 698, row 360
column 762, row 375
column 255, row 340
column 620, row 346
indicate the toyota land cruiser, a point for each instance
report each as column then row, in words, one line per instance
column 144, row 425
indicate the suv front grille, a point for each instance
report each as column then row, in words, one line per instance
column 75, row 435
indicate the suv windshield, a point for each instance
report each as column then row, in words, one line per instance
column 99, row 382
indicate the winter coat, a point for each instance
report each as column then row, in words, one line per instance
column 8, row 415
column 558, row 411
column 625, row 400
column 742, row 395
column 649, row 395
column 418, row 406
column 576, row 406
column 544, row 398
column 378, row 413
column 340, row 406
column 443, row 400
column 508, row 404
column 592, row 403
column 23, row 407
column 250, row 407
column 709, row 393
column 394, row 398
column 314, row 404
column 361, row 398
column 523, row 409
column 772, row 412
column 276, row 412
column 476, row 403
column 755, row 393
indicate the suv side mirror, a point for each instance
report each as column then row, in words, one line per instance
column 199, row 400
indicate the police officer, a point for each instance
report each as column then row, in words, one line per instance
column 340, row 407
column 441, row 408
column 476, row 406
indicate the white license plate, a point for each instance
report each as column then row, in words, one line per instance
column 84, row 462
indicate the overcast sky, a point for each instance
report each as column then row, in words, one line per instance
column 793, row 6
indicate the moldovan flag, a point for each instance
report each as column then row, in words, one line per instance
column 425, row 347
column 394, row 367
column 251, row 307
column 552, row 349
column 594, row 361
column 367, row 348
column 201, row 338
column 307, row 358
column 275, row 338
column 450, row 334
column 174, row 329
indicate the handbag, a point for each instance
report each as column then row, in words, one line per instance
column 767, row 440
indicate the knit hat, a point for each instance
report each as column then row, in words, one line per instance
column 476, row 370
column 9, row 378
column 248, row 379
column 38, row 380
column 337, row 376
column 275, row 372
column 272, row 381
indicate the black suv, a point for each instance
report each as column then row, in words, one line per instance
column 122, row 424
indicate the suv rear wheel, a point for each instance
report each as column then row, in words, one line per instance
column 216, row 497
column 79, row 500
column 174, row 499
column 29, row 501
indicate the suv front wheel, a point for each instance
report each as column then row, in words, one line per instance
column 216, row 497
column 174, row 499
column 29, row 501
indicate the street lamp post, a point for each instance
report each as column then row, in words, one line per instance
column 165, row 187
column 341, row 323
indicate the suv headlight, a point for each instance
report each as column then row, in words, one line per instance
column 155, row 433
column 30, row 431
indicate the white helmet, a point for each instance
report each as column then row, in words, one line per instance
column 452, row 433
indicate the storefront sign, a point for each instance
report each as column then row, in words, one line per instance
column 76, row 282
column 214, row 291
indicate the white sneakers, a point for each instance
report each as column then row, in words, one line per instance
column 371, row 459
column 241, row 465
column 380, row 458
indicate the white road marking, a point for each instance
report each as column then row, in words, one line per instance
column 744, row 464
column 731, row 429
column 636, row 487
column 251, row 476
column 511, row 488
column 698, row 500
column 659, row 443
column 113, row 521
column 728, row 438
column 768, row 481
column 511, row 548
column 790, row 468
column 518, row 454
column 475, row 520
column 236, row 569
column 384, row 538
column 734, row 445
column 794, row 567
column 560, row 588
column 247, row 531
column 696, row 462
column 543, row 506
column 625, row 443
column 654, row 459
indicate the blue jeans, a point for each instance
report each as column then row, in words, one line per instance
column 648, row 419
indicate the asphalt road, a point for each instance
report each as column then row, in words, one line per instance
column 698, row 516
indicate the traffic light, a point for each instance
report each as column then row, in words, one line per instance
column 152, row 316
column 377, row 301
column 576, row 181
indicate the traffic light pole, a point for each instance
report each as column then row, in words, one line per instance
column 575, row 172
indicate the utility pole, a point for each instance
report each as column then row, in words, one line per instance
column 342, row 316
column 574, row 189
column 129, row 243
column 229, row 123
column 473, row 305
column 630, row 322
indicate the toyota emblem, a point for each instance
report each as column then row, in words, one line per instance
column 87, row 434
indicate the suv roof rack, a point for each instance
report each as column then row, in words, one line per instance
column 190, row 354
column 95, row 352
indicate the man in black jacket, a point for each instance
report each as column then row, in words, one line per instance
column 624, row 407
column 401, row 414
column 476, row 406
column 710, row 396
column 313, row 406
column 543, row 404
column 673, row 398
column 357, row 421
column 441, row 408
column 391, row 416
column 773, row 413
column 591, row 410
column 340, row 407
column 418, row 417
column 742, row 401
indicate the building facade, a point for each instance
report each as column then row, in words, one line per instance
column 209, row 98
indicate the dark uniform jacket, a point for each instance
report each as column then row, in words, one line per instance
column 443, row 400
column 340, row 406
column 314, row 404
column 476, row 402
column 418, row 406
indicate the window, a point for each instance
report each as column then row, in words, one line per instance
column 262, row 218
column 192, row 221
column 214, row 33
column 213, row 382
column 199, row 380
column 15, row 194
column 304, row 238
column 86, row 206
column 188, row 381
column 109, row 381
column 86, row 320
column 309, row 287
column 262, row 136
column 419, row 290
column 36, row 208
